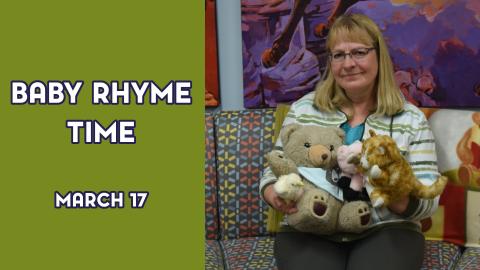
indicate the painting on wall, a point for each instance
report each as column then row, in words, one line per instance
column 211, row 56
column 435, row 57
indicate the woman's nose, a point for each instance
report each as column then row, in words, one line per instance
column 348, row 62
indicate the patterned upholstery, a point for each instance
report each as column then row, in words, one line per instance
column 243, row 138
column 440, row 255
column 213, row 255
column 257, row 253
column 211, row 210
column 249, row 253
column 470, row 259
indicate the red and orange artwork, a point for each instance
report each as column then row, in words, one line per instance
column 211, row 56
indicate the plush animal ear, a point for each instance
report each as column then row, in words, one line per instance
column 372, row 133
column 354, row 159
column 381, row 150
column 287, row 131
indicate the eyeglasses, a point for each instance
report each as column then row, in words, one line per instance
column 356, row 54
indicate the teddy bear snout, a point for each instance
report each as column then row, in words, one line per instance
column 319, row 155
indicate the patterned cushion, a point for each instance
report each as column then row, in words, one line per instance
column 243, row 138
column 470, row 259
column 458, row 152
column 440, row 255
column 257, row 253
column 211, row 210
column 213, row 255
column 249, row 253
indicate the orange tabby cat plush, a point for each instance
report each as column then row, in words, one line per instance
column 389, row 173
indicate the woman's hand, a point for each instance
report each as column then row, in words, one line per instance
column 278, row 203
column 399, row 207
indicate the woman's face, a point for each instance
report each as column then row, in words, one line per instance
column 355, row 72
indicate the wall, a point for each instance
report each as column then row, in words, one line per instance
column 230, row 54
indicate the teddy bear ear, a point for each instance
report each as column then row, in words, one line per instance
column 287, row 131
column 340, row 133
column 372, row 133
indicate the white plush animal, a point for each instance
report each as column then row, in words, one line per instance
column 289, row 187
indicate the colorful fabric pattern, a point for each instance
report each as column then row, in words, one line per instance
column 440, row 255
column 213, row 255
column 249, row 253
column 470, row 260
column 243, row 138
column 257, row 253
column 211, row 210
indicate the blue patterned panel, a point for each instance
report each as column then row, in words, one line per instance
column 440, row 255
column 213, row 255
column 470, row 259
column 252, row 253
column 243, row 138
column 211, row 209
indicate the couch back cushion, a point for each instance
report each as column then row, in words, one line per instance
column 211, row 210
column 457, row 136
column 242, row 140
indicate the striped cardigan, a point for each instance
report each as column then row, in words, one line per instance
column 409, row 129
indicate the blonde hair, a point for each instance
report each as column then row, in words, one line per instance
column 359, row 28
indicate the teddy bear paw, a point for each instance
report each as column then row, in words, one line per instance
column 354, row 217
column 317, row 212
column 364, row 213
column 319, row 205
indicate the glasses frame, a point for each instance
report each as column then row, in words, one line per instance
column 330, row 55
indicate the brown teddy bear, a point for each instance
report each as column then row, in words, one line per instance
column 310, row 151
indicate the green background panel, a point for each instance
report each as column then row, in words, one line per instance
column 101, row 40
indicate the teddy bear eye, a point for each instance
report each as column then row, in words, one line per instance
column 332, row 148
column 307, row 145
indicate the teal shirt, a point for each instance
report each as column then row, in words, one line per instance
column 352, row 134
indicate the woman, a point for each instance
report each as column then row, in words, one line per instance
column 358, row 94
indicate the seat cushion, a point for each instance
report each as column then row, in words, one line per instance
column 213, row 255
column 211, row 201
column 243, row 138
column 249, row 253
column 440, row 255
column 257, row 253
column 470, row 259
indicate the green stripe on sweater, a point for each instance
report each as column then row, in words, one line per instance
column 422, row 141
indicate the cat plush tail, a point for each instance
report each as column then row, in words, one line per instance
column 429, row 192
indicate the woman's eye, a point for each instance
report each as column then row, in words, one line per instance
column 359, row 53
column 307, row 145
column 338, row 55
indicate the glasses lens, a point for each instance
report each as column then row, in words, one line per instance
column 355, row 54
column 359, row 53
column 338, row 56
